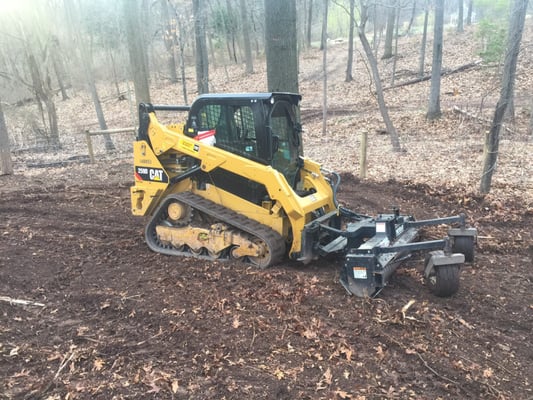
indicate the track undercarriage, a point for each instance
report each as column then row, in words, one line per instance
column 188, row 225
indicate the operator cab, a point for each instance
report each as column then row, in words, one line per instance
column 263, row 127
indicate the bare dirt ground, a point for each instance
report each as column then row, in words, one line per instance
column 113, row 320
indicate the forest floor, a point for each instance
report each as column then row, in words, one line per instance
column 108, row 318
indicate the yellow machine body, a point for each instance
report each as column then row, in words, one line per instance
column 285, row 209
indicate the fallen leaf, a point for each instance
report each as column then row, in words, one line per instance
column 98, row 364
column 343, row 395
column 175, row 386
column 487, row 373
column 154, row 388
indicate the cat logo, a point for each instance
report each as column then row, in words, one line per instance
column 151, row 174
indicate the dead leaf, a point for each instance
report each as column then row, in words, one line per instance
column 98, row 364
column 379, row 352
column 328, row 376
column 309, row 334
column 464, row 323
column 154, row 388
column 487, row 373
column 279, row 374
column 174, row 386
column 236, row 323
column 343, row 395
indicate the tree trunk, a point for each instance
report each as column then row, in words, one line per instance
column 249, row 69
column 323, row 35
column 86, row 63
column 58, row 66
column 422, row 62
column 169, row 39
column 469, row 12
column 434, row 111
column 309, row 24
column 413, row 13
column 281, row 45
column 349, row 67
column 181, row 41
column 396, row 30
column 391, row 130
column 324, row 69
column 460, row 17
column 389, row 35
column 6, row 165
column 202, row 66
column 43, row 94
column 230, row 30
column 136, row 50
column 530, row 126
column 514, row 37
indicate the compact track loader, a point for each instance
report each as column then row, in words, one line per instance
column 231, row 183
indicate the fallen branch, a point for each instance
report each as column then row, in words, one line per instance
column 20, row 302
column 480, row 119
column 443, row 73
column 435, row 372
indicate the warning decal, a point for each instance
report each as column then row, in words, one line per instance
column 151, row 174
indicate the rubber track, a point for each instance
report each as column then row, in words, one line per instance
column 273, row 240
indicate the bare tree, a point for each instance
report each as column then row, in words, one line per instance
column 324, row 68
column 469, row 12
column 43, row 94
column 413, row 14
column 6, row 166
column 59, row 68
column 349, row 67
column 422, row 62
column 389, row 34
column 391, row 130
column 460, row 17
column 202, row 63
column 246, row 38
column 309, row 24
column 86, row 63
column 434, row 111
column 181, row 41
column 169, row 39
column 530, row 126
column 492, row 140
column 136, row 49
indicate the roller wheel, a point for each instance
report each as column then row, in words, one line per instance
column 214, row 255
column 264, row 260
column 443, row 281
column 197, row 252
column 465, row 245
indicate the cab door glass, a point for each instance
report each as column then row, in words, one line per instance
column 286, row 132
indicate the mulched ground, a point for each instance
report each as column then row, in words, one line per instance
column 119, row 321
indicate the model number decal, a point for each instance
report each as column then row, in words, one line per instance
column 151, row 174
column 189, row 146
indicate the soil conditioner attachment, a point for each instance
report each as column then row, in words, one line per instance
column 231, row 183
